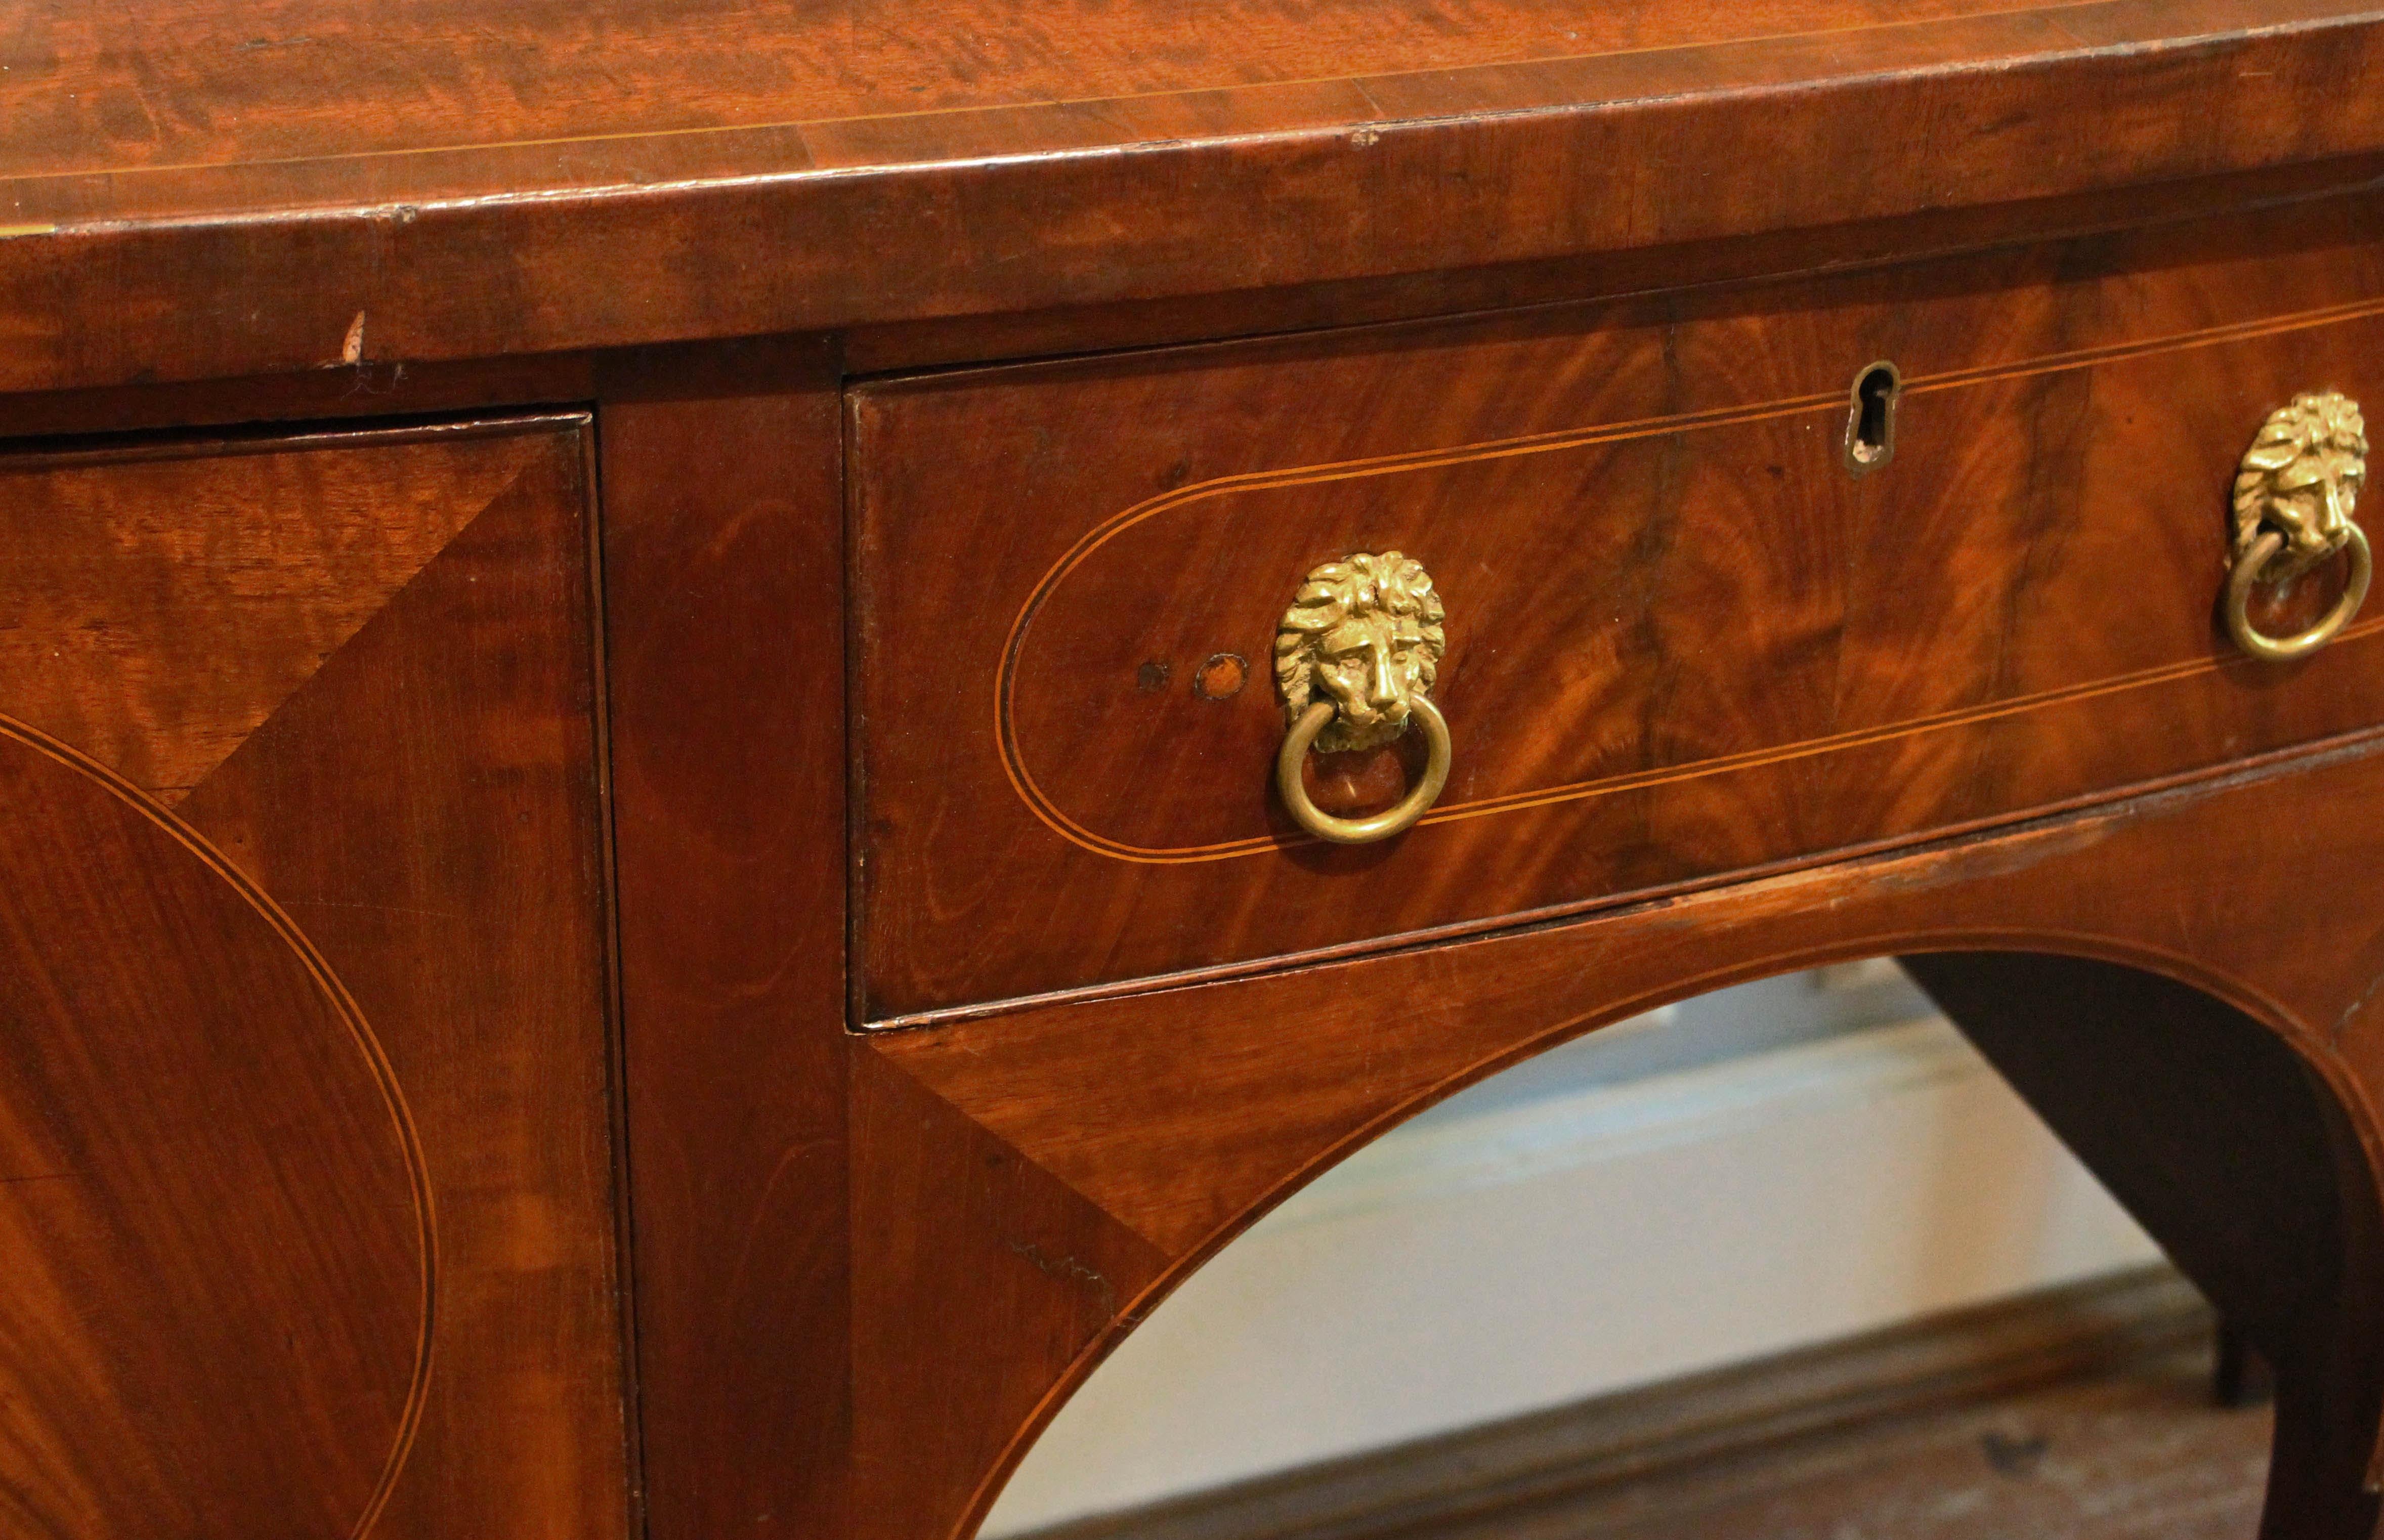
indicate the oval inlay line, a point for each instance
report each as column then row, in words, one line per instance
column 344, row 1007
column 1829, row 403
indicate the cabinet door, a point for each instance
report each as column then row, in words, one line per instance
column 305, row 1142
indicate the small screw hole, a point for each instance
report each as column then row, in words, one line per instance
column 1870, row 425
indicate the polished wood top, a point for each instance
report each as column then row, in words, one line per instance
column 207, row 83
column 203, row 189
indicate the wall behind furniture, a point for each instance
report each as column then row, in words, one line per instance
column 1760, row 1169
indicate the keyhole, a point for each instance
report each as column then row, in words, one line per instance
column 1871, row 425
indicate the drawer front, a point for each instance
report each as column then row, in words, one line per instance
column 1683, row 636
column 305, row 1135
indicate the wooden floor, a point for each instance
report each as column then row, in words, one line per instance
column 2081, row 1413
column 2136, row 1451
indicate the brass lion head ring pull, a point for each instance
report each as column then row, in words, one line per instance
column 2293, row 501
column 1357, row 652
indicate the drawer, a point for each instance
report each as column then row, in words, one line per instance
column 1687, row 631
column 306, row 1140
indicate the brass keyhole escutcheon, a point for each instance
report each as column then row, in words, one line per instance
column 1355, row 657
column 1870, row 418
column 2295, row 496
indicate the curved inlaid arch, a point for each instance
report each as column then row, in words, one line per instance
column 225, row 1294
column 2260, row 1013
column 1128, row 1160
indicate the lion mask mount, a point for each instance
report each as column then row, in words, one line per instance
column 1365, row 633
column 2301, row 479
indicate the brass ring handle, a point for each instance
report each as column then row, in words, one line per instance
column 2247, row 575
column 1382, row 826
column 2294, row 494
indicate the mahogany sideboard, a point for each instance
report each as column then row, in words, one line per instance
column 721, row 723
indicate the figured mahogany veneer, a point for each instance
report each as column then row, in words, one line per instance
column 1682, row 638
column 609, row 607
column 306, row 1133
column 163, row 603
column 174, row 1040
column 1040, row 1179
column 635, row 163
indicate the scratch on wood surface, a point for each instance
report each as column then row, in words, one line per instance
column 1069, row 1267
column 2350, row 1013
column 353, row 350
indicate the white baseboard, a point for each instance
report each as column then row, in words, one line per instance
column 1472, row 1267
column 1601, row 1123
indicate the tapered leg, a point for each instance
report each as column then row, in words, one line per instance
column 2221, row 1142
column 2240, row 1376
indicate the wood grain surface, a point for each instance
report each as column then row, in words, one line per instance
column 413, row 782
column 160, row 605
column 1072, row 1160
column 217, row 1315
column 724, row 617
column 1682, row 638
column 91, row 90
column 867, row 1267
column 347, row 172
